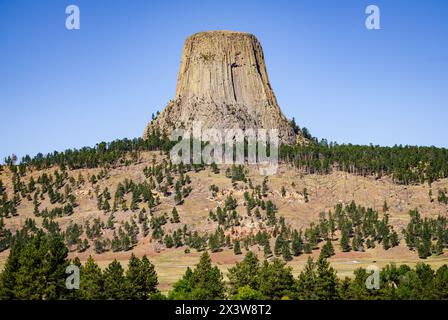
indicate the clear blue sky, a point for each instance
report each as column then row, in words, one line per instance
column 64, row 89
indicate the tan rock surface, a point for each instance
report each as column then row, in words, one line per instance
column 223, row 83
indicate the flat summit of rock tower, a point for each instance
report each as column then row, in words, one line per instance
column 223, row 83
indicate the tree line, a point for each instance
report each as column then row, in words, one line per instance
column 404, row 164
column 36, row 270
column 120, row 151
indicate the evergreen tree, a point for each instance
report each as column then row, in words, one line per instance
column 244, row 273
column 178, row 194
column 297, row 244
column 182, row 289
column 106, row 206
column 149, row 278
column 141, row 278
column 442, row 197
column 327, row 280
column 45, row 282
column 204, row 283
column 237, row 247
column 168, row 240
column 267, row 249
column 276, row 280
column 208, row 280
column 307, row 248
column 8, row 278
column 441, row 283
column 246, row 293
column 175, row 214
column 278, row 245
column 306, row 284
column 345, row 246
column 327, row 249
column 114, row 282
column 357, row 242
column 394, row 241
column 91, row 286
column 286, row 252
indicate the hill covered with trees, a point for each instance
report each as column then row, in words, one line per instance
column 126, row 196
column 36, row 265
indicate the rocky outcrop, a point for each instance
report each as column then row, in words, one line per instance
column 223, row 83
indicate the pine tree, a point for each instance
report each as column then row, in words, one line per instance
column 244, row 273
column 125, row 242
column 307, row 248
column 36, row 205
column 345, row 246
column 357, row 242
column 426, row 239
column 106, row 206
column 145, row 227
column 306, row 284
column 134, row 279
column 278, row 245
column 213, row 243
column 286, row 252
column 168, row 240
column 134, row 206
column 115, row 282
column 257, row 213
column 178, row 194
column 175, row 214
column 99, row 200
column 442, row 197
column 441, row 283
column 437, row 248
column 85, row 245
column 8, row 278
column 99, row 246
column 275, row 280
column 124, row 205
column 327, row 280
column 177, row 238
column 237, row 247
column 150, row 279
column 297, row 244
column 327, row 249
column 267, row 249
column 182, row 289
column 206, row 280
column 228, row 241
column 44, row 283
column 394, row 241
column 91, row 287
column 110, row 222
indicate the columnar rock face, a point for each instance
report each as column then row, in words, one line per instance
column 223, row 83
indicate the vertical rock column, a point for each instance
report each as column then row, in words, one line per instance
column 223, row 83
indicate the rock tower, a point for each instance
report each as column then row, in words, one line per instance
column 223, row 83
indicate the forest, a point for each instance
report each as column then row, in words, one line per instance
column 36, row 270
column 351, row 227
column 404, row 164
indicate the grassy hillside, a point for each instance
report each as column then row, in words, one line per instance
column 117, row 199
